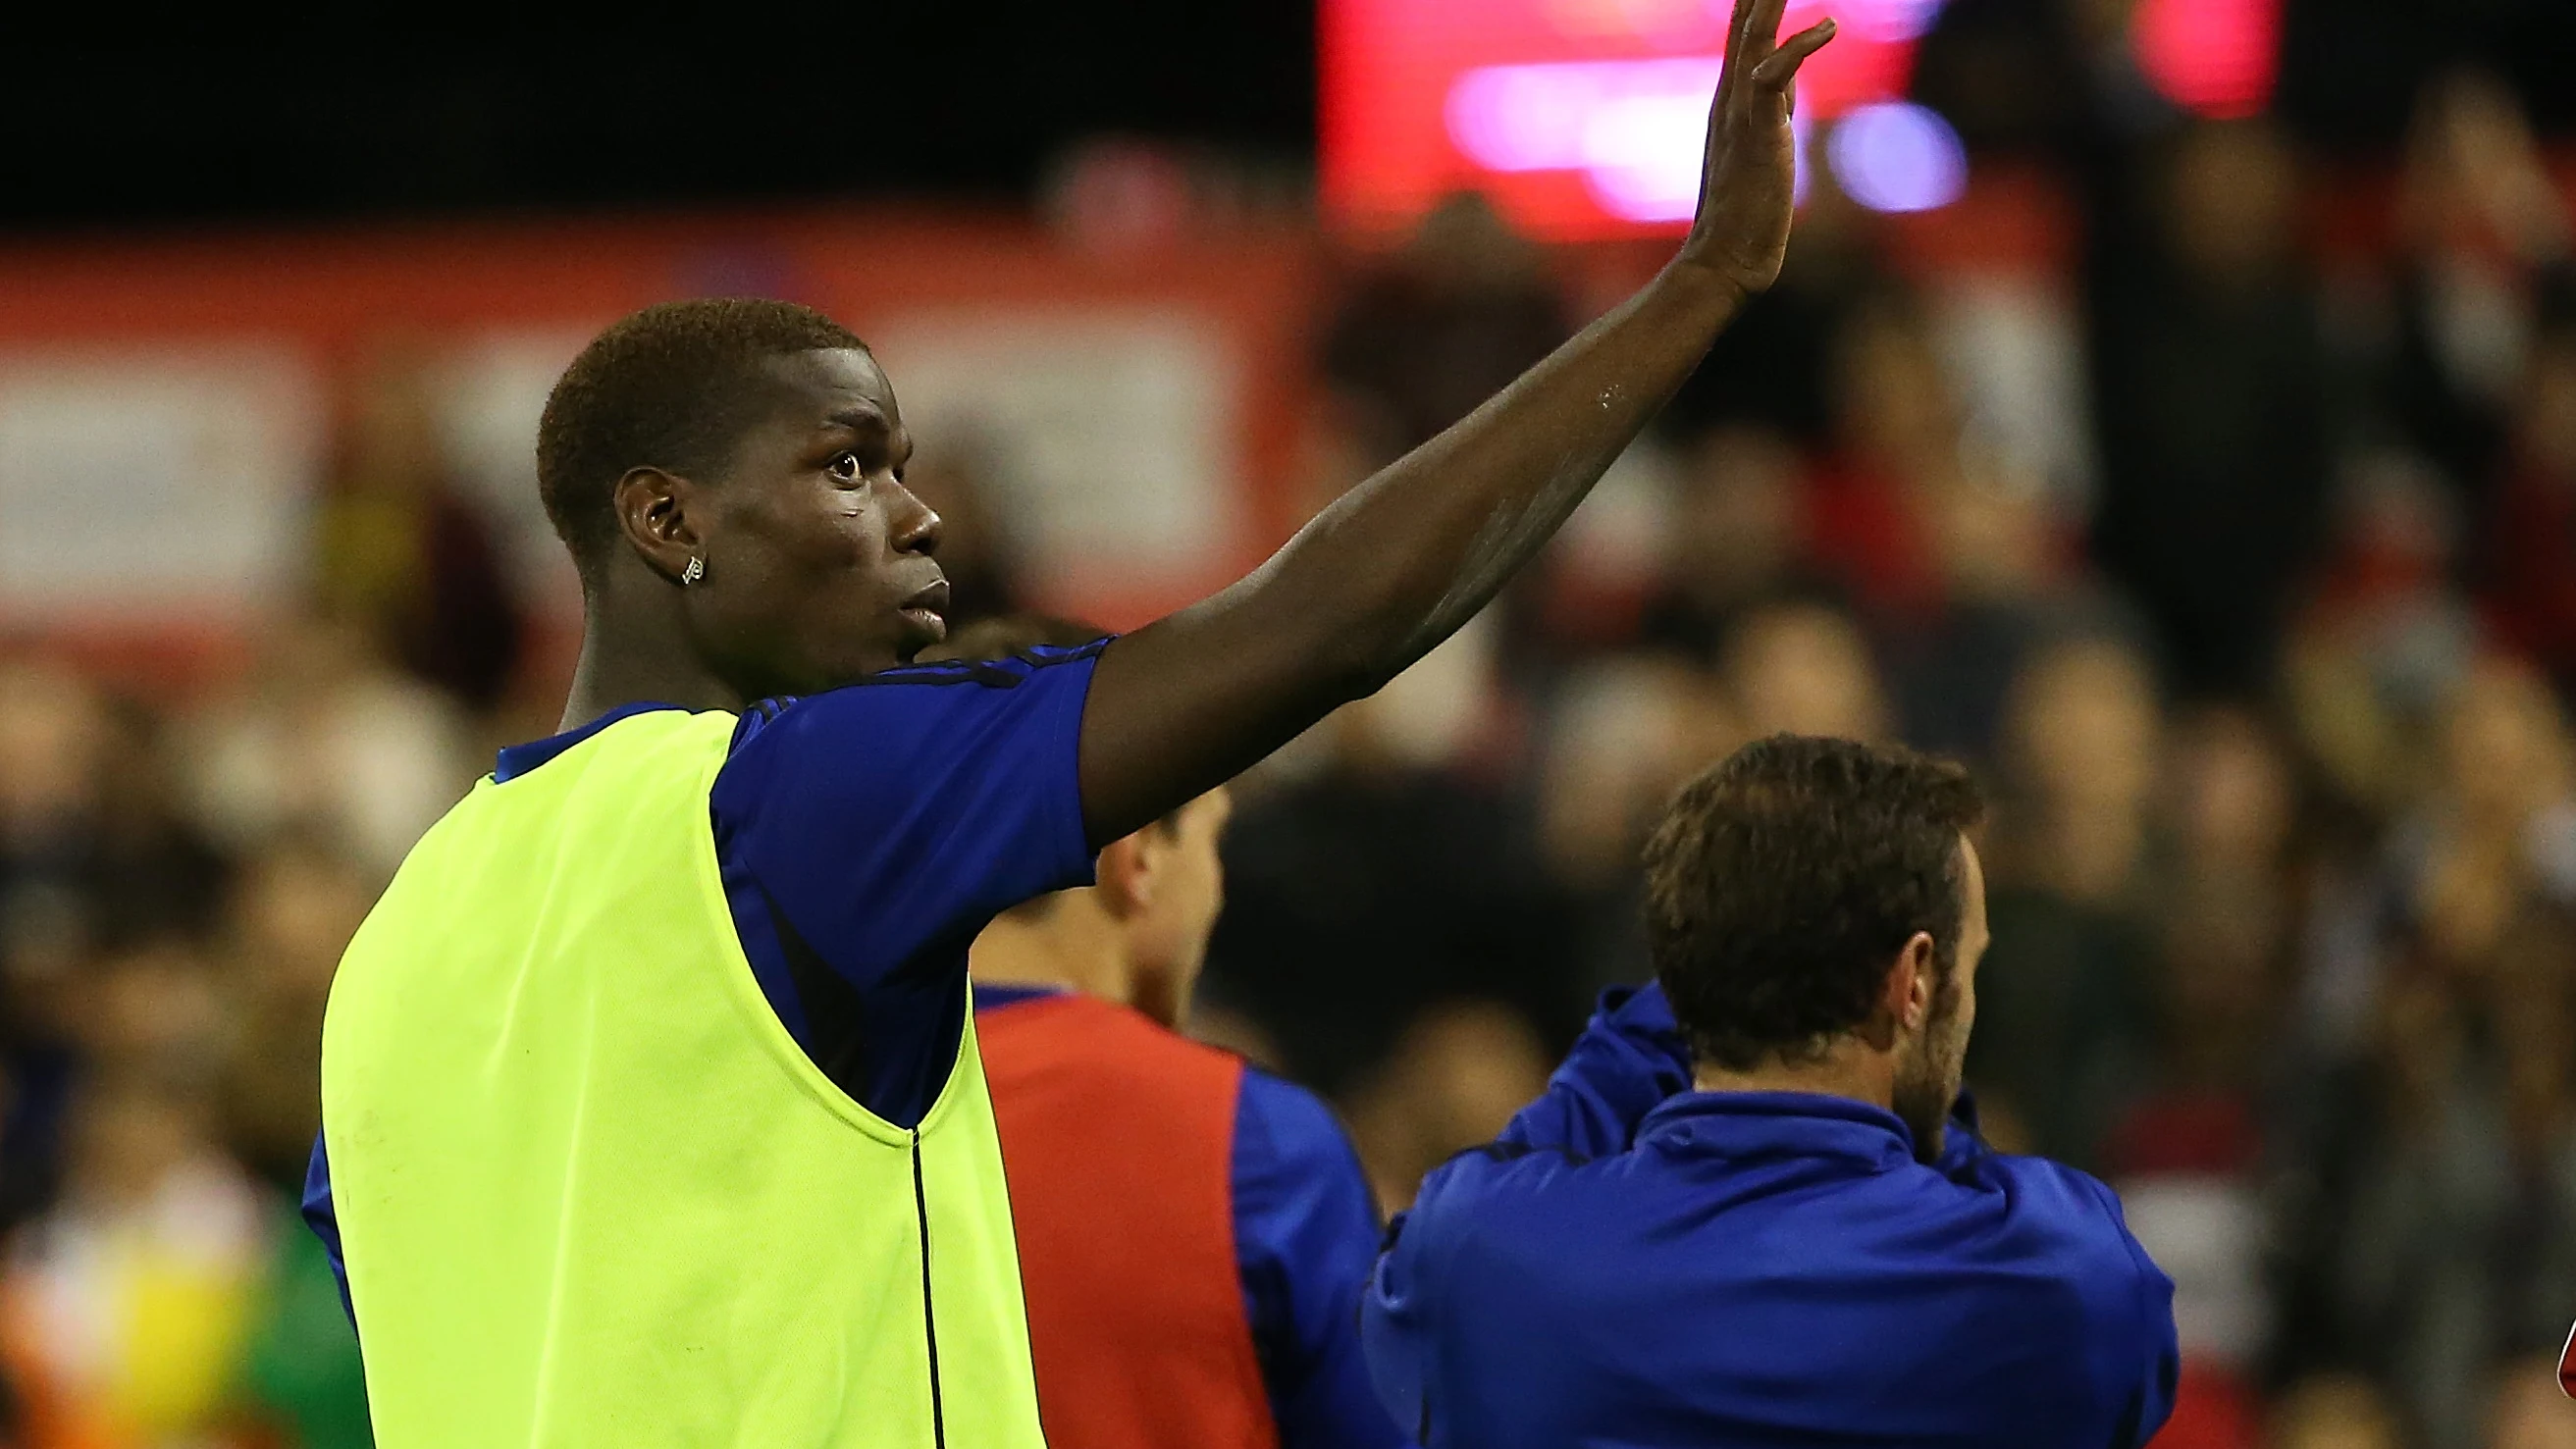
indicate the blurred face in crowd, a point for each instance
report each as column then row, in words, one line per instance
column 1892, row 397
column 2083, row 726
column 2505, row 745
column 1167, row 885
column 1805, row 669
column 2228, row 201
column 2232, row 787
column 1737, row 524
column 819, row 567
column 2549, row 407
column 292, row 916
column 2529, row 1411
column 2340, row 1412
column 52, row 728
column 1932, row 1060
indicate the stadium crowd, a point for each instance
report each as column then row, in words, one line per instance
column 2262, row 641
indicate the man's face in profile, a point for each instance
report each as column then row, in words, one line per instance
column 1935, row 1058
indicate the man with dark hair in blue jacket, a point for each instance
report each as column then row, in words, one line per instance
column 1752, row 1208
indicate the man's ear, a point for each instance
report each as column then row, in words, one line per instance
column 653, row 513
column 1905, row 996
column 1125, row 876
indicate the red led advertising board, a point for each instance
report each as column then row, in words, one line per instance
column 1583, row 118
column 1579, row 118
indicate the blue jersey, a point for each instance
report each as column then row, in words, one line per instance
column 1635, row 1263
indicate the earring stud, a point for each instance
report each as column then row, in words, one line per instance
column 696, row 570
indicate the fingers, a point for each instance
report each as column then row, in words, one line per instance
column 1735, row 28
column 1777, row 70
column 1761, row 31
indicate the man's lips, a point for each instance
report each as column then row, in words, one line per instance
column 928, row 609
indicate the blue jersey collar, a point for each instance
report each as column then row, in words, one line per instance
column 517, row 760
column 995, row 994
column 1741, row 1125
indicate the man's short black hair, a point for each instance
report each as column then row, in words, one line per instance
column 1784, row 880
column 673, row 386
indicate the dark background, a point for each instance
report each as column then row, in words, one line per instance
column 967, row 101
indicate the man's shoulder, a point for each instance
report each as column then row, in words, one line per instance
column 1072, row 1035
column 1288, row 1124
column 910, row 688
column 2057, row 1235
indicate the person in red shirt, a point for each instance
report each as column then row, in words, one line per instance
column 1193, row 1233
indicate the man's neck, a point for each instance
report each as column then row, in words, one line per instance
column 1066, row 945
column 630, row 659
column 1849, row 1069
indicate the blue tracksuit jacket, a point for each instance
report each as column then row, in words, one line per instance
column 1634, row 1263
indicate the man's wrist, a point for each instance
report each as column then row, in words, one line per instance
column 1701, row 280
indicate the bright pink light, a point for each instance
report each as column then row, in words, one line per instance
column 2214, row 58
column 1578, row 118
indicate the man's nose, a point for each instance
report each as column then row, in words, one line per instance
column 917, row 528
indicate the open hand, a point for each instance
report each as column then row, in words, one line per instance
column 1746, row 182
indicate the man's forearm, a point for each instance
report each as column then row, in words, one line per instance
column 1400, row 562
column 1397, row 565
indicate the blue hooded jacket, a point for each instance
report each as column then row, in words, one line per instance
column 1635, row 1263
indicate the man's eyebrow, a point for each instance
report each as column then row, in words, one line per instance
column 859, row 420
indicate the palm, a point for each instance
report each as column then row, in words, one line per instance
column 1750, row 172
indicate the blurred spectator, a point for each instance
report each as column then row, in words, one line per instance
column 291, row 916
column 1948, row 554
column 2334, row 1411
column 2209, row 389
column 2382, row 637
column 2461, row 1177
column 1894, row 455
column 2501, row 831
column 1439, row 327
column 1625, row 733
column 1390, row 879
column 2483, row 248
column 1451, row 1082
column 2187, row 1154
column 2064, row 1002
column 87, row 812
column 2528, row 1411
column 2527, row 567
column 400, row 551
column 1734, row 538
column 129, row 1304
column 1803, row 668
column 324, row 738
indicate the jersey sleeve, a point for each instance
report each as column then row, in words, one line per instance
column 866, row 834
column 1630, row 1057
column 1306, row 1236
column 2147, row 1359
column 324, row 1219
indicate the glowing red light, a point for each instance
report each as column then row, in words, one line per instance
column 2214, row 58
column 1578, row 118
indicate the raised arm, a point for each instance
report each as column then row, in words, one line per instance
column 1400, row 562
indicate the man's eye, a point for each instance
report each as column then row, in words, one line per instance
column 844, row 466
